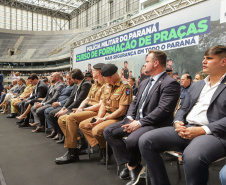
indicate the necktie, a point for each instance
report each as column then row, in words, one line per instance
column 145, row 94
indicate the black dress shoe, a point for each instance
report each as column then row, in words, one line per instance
column 11, row 115
column 124, row 174
column 82, row 144
column 61, row 141
column 53, row 134
column 135, row 174
column 69, row 157
column 21, row 121
column 24, row 124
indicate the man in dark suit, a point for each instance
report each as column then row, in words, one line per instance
column 200, row 126
column 132, row 82
column 185, row 81
column 38, row 94
column 41, row 88
column 52, row 95
column 152, row 108
column 78, row 94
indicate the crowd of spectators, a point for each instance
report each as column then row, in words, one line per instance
column 106, row 104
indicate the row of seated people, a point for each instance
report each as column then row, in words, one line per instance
column 17, row 90
column 110, row 114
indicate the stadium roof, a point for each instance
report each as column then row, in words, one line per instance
column 65, row 6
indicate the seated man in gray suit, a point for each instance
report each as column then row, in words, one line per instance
column 52, row 95
column 199, row 126
column 59, row 103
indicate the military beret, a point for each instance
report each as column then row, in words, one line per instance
column 98, row 66
column 168, row 69
column 88, row 75
column 108, row 69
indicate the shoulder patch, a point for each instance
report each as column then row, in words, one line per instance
column 128, row 91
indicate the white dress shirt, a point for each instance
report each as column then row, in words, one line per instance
column 78, row 89
column 198, row 113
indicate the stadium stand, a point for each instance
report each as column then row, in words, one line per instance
column 36, row 45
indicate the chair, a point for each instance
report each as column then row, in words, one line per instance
column 176, row 154
column 107, row 159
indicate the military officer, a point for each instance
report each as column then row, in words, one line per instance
column 125, row 71
column 116, row 100
column 88, row 108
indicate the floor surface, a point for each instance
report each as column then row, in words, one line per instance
column 28, row 159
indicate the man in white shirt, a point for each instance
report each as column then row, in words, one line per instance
column 199, row 126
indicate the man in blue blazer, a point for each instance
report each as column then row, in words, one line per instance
column 62, row 99
column 199, row 126
column 152, row 108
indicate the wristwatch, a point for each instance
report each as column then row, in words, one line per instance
column 83, row 109
column 104, row 118
column 175, row 123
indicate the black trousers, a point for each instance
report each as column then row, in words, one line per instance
column 55, row 119
column 24, row 104
column 198, row 154
column 125, row 151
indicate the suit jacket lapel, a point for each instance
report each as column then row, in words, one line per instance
column 219, row 90
column 155, row 86
column 198, row 90
column 75, row 90
column 195, row 96
column 79, row 89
